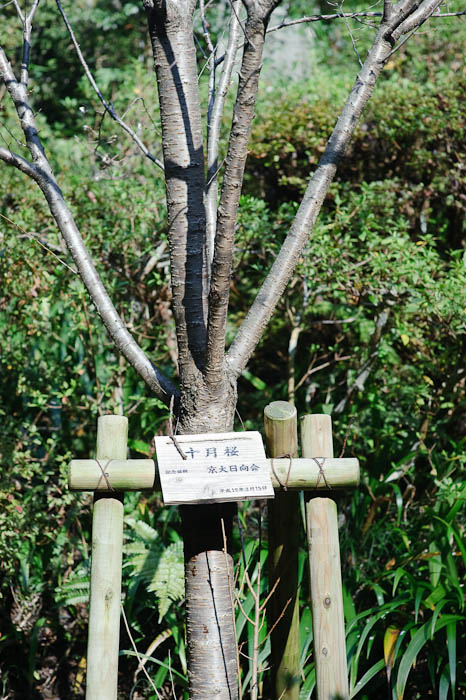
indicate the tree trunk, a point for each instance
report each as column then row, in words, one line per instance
column 209, row 601
column 212, row 660
column 202, row 409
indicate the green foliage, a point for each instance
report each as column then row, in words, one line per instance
column 160, row 568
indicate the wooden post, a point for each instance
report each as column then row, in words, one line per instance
column 325, row 572
column 280, row 423
column 106, row 562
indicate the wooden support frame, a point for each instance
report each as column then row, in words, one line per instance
column 110, row 473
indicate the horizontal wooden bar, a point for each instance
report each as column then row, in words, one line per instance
column 304, row 474
column 142, row 474
column 120, row 474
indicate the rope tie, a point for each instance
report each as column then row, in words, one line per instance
column 321, row 472
column 104, row 475
column 289, row 456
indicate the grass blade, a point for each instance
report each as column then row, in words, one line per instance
column 451, row 644
column 420, row 638
column 368, row 676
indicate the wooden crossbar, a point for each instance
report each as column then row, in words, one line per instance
column 142, row 474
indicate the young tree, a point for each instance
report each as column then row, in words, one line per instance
column 201, row 232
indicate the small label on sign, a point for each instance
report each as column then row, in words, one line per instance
column 214, row 467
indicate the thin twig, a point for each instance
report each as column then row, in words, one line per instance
column 211, row 59
column 235, row 12
column 353, row 41
column 347, row 15
column 257, row 628
column 403, row 41
column 26, row 20
column 91, row 343
column 160, row 638
column 271, row 592
column 137, row 653
column 313, row 370
column 18, row 10
column 277, row 620
column 250, row 620
column 171, row 674
column 230, row 591
column 37, row 240
column 172, row 432
column 350, row 422
column 108, row 107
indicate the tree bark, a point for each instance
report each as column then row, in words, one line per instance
column 171, row 32
column 256, row 26
column 209, row 601
column 213, row 128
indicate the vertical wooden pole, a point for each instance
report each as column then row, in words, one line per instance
column 325, row 572
column 106, row 562
column 282, row 438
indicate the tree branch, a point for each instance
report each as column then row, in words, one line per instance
column 387, row 10
column 213, row 128
column 26, row 20
column 260, row 312
column 256, row 25
column 18, row 94
column 417, row 18
column 18, row 162
column 108, row 108
column 41, row 172
column 320, row 18
column 350, row 15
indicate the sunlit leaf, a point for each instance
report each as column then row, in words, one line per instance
column 389, row 642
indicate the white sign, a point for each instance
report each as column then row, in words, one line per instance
column 213, row 467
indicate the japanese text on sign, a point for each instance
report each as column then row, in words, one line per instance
column 213, row 467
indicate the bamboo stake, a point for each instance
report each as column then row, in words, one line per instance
column 105, row 594
column 280, row 423
column 324, row 562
